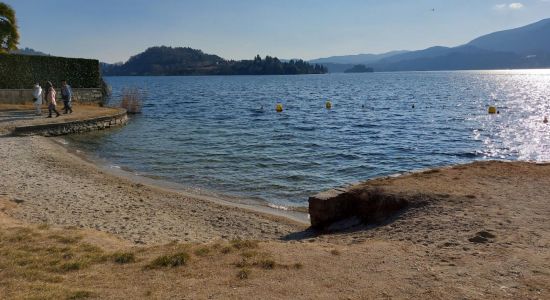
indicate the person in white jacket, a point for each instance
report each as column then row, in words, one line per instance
column 37, row 95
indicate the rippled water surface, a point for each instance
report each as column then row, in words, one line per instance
column 223, row 134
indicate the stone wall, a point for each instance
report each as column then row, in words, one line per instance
column 24, row 96
column 367, row 204
column 80, row 126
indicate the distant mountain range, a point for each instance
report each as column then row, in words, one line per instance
column 356, row 59
column 168, row 61
column 524, row 47
column 28, row 51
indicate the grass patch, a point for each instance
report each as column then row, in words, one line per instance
column 249, row 254
column 202, row 251
column 123, row 257
column 65, row 239
column 226, row 250
column 174, row 260
column 80, row 295
column 244, row 244
column 72, row 266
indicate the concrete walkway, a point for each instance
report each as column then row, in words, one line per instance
column 14, row 117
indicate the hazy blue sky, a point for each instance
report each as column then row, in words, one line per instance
column 113, row 30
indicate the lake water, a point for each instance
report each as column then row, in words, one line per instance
column 223, row 133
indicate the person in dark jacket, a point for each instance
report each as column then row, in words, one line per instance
column 67, row 96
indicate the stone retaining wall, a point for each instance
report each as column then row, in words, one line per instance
column 79, row 126
column 24, row 96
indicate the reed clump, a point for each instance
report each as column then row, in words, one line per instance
column 132, row 100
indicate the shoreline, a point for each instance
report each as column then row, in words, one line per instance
column 291, row 213
column 54, row 186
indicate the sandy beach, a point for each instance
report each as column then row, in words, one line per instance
column 477, row 231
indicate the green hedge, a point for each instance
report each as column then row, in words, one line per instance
column 23, row 71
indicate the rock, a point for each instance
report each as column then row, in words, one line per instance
column 482, row 237
column 371, row 205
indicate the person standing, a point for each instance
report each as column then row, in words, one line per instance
column 37, row 95
column 67, row 96
column 50, row 97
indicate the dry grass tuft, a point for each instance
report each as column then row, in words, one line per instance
column 80, row 295
column 174, row 260
column 244, row 244
column 123, row 257
column 249, row 254
column 226, row 250
column 243, row 273
column 242, row 263
column 267, row 264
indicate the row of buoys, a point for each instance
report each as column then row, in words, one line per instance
column 279, row 106
column 493, row 110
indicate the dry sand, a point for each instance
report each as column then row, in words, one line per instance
column 481, row 231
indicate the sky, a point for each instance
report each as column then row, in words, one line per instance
column 114, row 30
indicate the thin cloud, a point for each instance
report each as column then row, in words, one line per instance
column 509, row 6
column 515, row 5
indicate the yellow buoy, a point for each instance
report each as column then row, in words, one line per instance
column 492, row 110
column 328, row 105
column 279, row 107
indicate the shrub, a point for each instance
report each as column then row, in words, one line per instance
column 23, row 71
